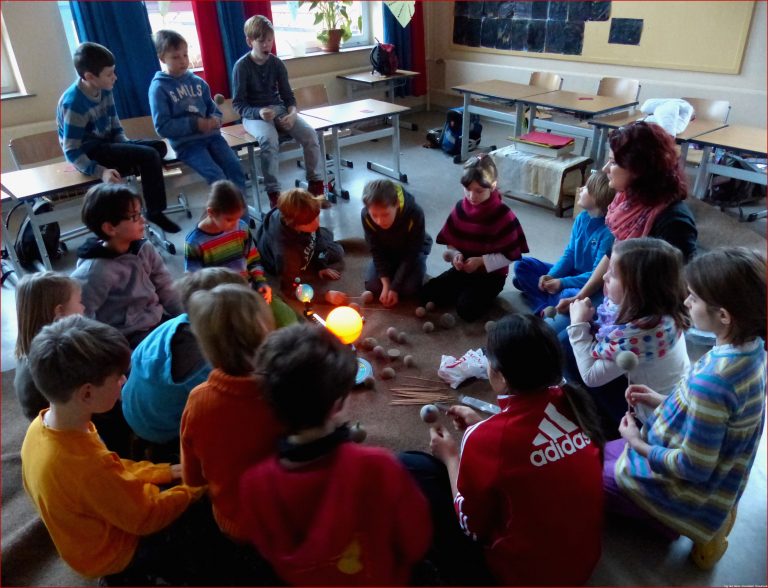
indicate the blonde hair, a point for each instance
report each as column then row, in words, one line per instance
column 598, row 188
column 299, row 207
column 256, row 27
column 206, row 279
column 230, row 322
column 37, row 296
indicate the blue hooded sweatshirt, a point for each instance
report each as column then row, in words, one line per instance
column 176, row 105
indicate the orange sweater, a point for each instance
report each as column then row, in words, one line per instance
column 95, row 505
column 226, row 427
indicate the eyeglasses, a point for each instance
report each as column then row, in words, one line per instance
column 134, row 218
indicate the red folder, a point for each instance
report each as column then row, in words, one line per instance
column 546, row 139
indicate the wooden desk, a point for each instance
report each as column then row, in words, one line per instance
column 340, row 115
column 372, row 79
column 739, row 138
column 496, row 90
column 580, row 105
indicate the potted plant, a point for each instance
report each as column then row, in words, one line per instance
column 336, row 23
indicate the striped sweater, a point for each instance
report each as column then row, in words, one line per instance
column 703, row 438
column 231, row 249
column 82, row 122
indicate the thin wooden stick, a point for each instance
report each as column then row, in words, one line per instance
column 425, row 379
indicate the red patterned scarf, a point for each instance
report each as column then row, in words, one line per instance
column 628, row 219
column 479, row 229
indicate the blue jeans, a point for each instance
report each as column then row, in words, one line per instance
column 213, row 159
column 527, row 273
column 269, row 141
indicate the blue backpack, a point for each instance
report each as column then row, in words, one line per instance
column 450, row 142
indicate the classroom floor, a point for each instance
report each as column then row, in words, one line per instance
column 629, row 558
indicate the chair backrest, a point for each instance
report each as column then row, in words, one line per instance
column 619, row 88
column 717, row 110
column 140, row 127
column 35, row 149
column 311, row 96
column 544, row 79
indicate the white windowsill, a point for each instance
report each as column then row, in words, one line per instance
column 15, row 95
column 317, row 53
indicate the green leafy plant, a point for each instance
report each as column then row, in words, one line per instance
column 332, row 14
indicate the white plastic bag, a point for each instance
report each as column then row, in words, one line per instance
column 473, row 364
column 672, row 114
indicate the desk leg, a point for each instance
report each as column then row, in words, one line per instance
column 519, row 118
column 11, row 253
column 331, row 196
column 597, row 148
column 337, row 164
column 38, row 236
column 464, row 131
column 403, row 124
column 702, row 175
column 393, row 172
column 683, row 156
column 255, row 194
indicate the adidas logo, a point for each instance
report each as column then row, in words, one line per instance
column 556, row 432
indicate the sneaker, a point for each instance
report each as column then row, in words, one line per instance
column 162, row 221
column 316, row 187
column 273, row 196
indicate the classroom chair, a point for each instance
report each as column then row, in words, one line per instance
column 705, row 109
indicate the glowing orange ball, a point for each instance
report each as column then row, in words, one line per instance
column 346, row 323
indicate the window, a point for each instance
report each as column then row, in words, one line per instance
column 296, row 32
column 70, row 30
column 177, row 16
column 10, row 80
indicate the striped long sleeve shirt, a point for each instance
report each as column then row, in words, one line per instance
column 704, row 438
column 231, row 249
column 83, row 121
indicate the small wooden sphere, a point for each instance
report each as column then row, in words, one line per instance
column 366, row 297
column 429, row 306
column 388, row 373
column 357, row 433
column 392, row 333
column 420, row 312
column 428, row 327
column 408, row 361
column 447, row 320
column 429, row 413
column 379, row 352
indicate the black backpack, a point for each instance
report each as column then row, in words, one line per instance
column 383, row 58
column 725, row 192
column 25, row 244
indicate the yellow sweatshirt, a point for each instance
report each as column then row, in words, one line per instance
column 94, row 504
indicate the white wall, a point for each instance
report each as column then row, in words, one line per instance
column 450, row 66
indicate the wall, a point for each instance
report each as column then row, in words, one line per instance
column 450, row 65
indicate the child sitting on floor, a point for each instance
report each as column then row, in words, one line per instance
column 324, row 511
column 526, row 483
column 165, row 367
column 223, row 239
column 294, row 245
column 393, row 224
column 642, row 313
column 688, row 466
column 125, row 282
column 544, row 284
column 227, row 425
column 486, row 237
column 41, row 299
column 105, row 515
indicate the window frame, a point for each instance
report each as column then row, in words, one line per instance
column 10, row 77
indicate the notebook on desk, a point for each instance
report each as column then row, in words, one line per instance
column 545, row 139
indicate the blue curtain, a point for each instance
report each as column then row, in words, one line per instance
column 231, row 19
column 123, row 28
column 400, row 37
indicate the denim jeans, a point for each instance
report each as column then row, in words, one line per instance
column 410, row 286
column 267, row 135
column 213, row 159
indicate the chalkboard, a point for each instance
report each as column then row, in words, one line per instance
column 695, row 36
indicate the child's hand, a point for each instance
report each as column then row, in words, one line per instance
column 267, row 114
column 266, row 291
column 111, row 175
column 564, row 306
column 207, row 125
column 581, row 311
column 286, row 122
column 389, row 298
column 176, row 471
column 458, row 261
column 463, row 416
column 329, row 274
column 640, row 394
column 550, row 285
column 442, row 444
column 473, row 264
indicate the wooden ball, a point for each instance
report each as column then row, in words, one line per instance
column 409, row 361
column 428, row 327
column 392, row 333
column 368, row 343
column 429, row 413
column 550, row 312
column 354, row 305
column 420, row 312
column 379, row 352
column 402, row 337
column 448, row 255
column 369, row 382
column 489, row 325
column 447, row 320
column 366, row 297
column 429, row 306
column 388, row 373
column 627, row 360
column 357, row 433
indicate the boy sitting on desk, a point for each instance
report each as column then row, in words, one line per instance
column 93, row 139
column 184, row 113
column 264, row 99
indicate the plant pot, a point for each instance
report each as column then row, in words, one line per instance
column 334, row 41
